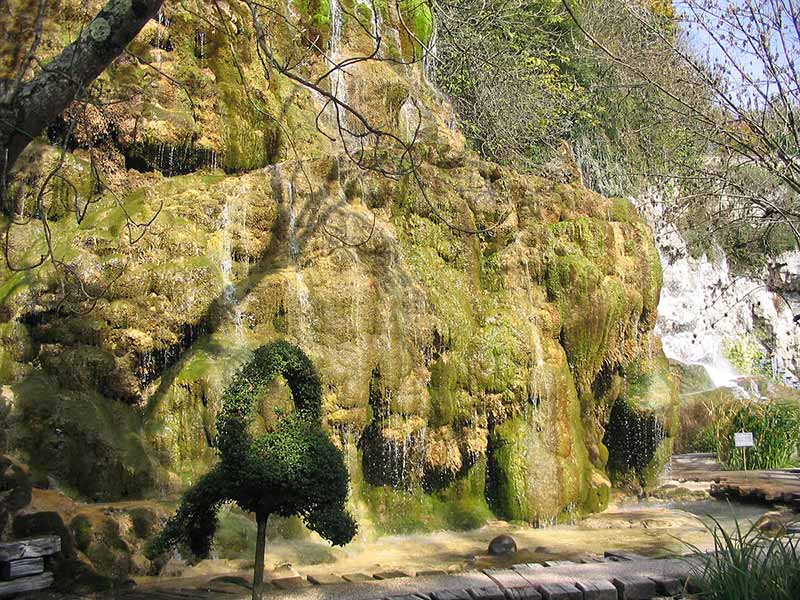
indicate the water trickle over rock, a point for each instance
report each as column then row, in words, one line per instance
column 464, row 375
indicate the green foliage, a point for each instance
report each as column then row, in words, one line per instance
column 748, row 564
column 776, row 432
column 747, row 356
column 510, row 72
column 293, row 470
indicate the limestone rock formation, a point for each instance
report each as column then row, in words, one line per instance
column 464, row 374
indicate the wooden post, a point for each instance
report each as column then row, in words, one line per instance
column 261, row 544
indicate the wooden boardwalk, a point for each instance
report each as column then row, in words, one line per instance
column 779, row 485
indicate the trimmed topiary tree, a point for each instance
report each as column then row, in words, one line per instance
column 293, row 470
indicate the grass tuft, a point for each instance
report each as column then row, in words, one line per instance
column 747, row 564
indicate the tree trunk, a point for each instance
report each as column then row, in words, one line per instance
column 261, row 544
column 36, row 103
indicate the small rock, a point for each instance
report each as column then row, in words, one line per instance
column 174, row 567
column 775, row 522
column 502, row 544
column 283, row 570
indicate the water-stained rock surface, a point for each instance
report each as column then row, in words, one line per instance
column 465, row 374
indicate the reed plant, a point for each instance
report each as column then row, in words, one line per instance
column 747, row 564
column 775, row 425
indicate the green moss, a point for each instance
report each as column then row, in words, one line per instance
column 13, row 285
column 597, row 498
column 747, row 356
column 492, row 276
column 443, row 389
column 571, row 276
column 523, row 487
column 82, row 532
column 588, row 235
column 461, row 505
column 90, row 443
column 250, row 134
column 418, row 18
column 622, row 210
column 591, row 328
column 318, row 13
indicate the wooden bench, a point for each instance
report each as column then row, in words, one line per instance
column 22, row 564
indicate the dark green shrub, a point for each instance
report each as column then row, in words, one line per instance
column 82, row 532
column 143, row 521
column 293, row 470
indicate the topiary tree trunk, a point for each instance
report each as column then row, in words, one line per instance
column 261, row 546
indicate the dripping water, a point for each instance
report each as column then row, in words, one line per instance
column 305, row 306
column 233, row 217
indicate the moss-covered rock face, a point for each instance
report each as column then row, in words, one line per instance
column 463, row 374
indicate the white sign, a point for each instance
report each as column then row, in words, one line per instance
column 743, row 439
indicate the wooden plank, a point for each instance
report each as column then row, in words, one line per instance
column 633, row 587
column 21, row 568
column 559, row 591
column 488, row 593
column 41, row 546
column 26, row 584
column 597, row 590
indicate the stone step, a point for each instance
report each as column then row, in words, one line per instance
column 325, row 579
column 391, row 574
column 623, row 555
column 356, row 577
column 291, row 583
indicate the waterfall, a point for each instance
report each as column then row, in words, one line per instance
column 704, row 307
column 429, row 58
column 233, row 217
column 691, row 327
column 338, row 80
column 376, row 22
column 410, row 119
column 163, row 26
column 336, row 28
column 305, row 307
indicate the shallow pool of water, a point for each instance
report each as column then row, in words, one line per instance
column 649, row 528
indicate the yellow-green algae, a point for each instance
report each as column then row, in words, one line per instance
column 498, row 356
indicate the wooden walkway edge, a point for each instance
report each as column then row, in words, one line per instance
column 776, row 485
